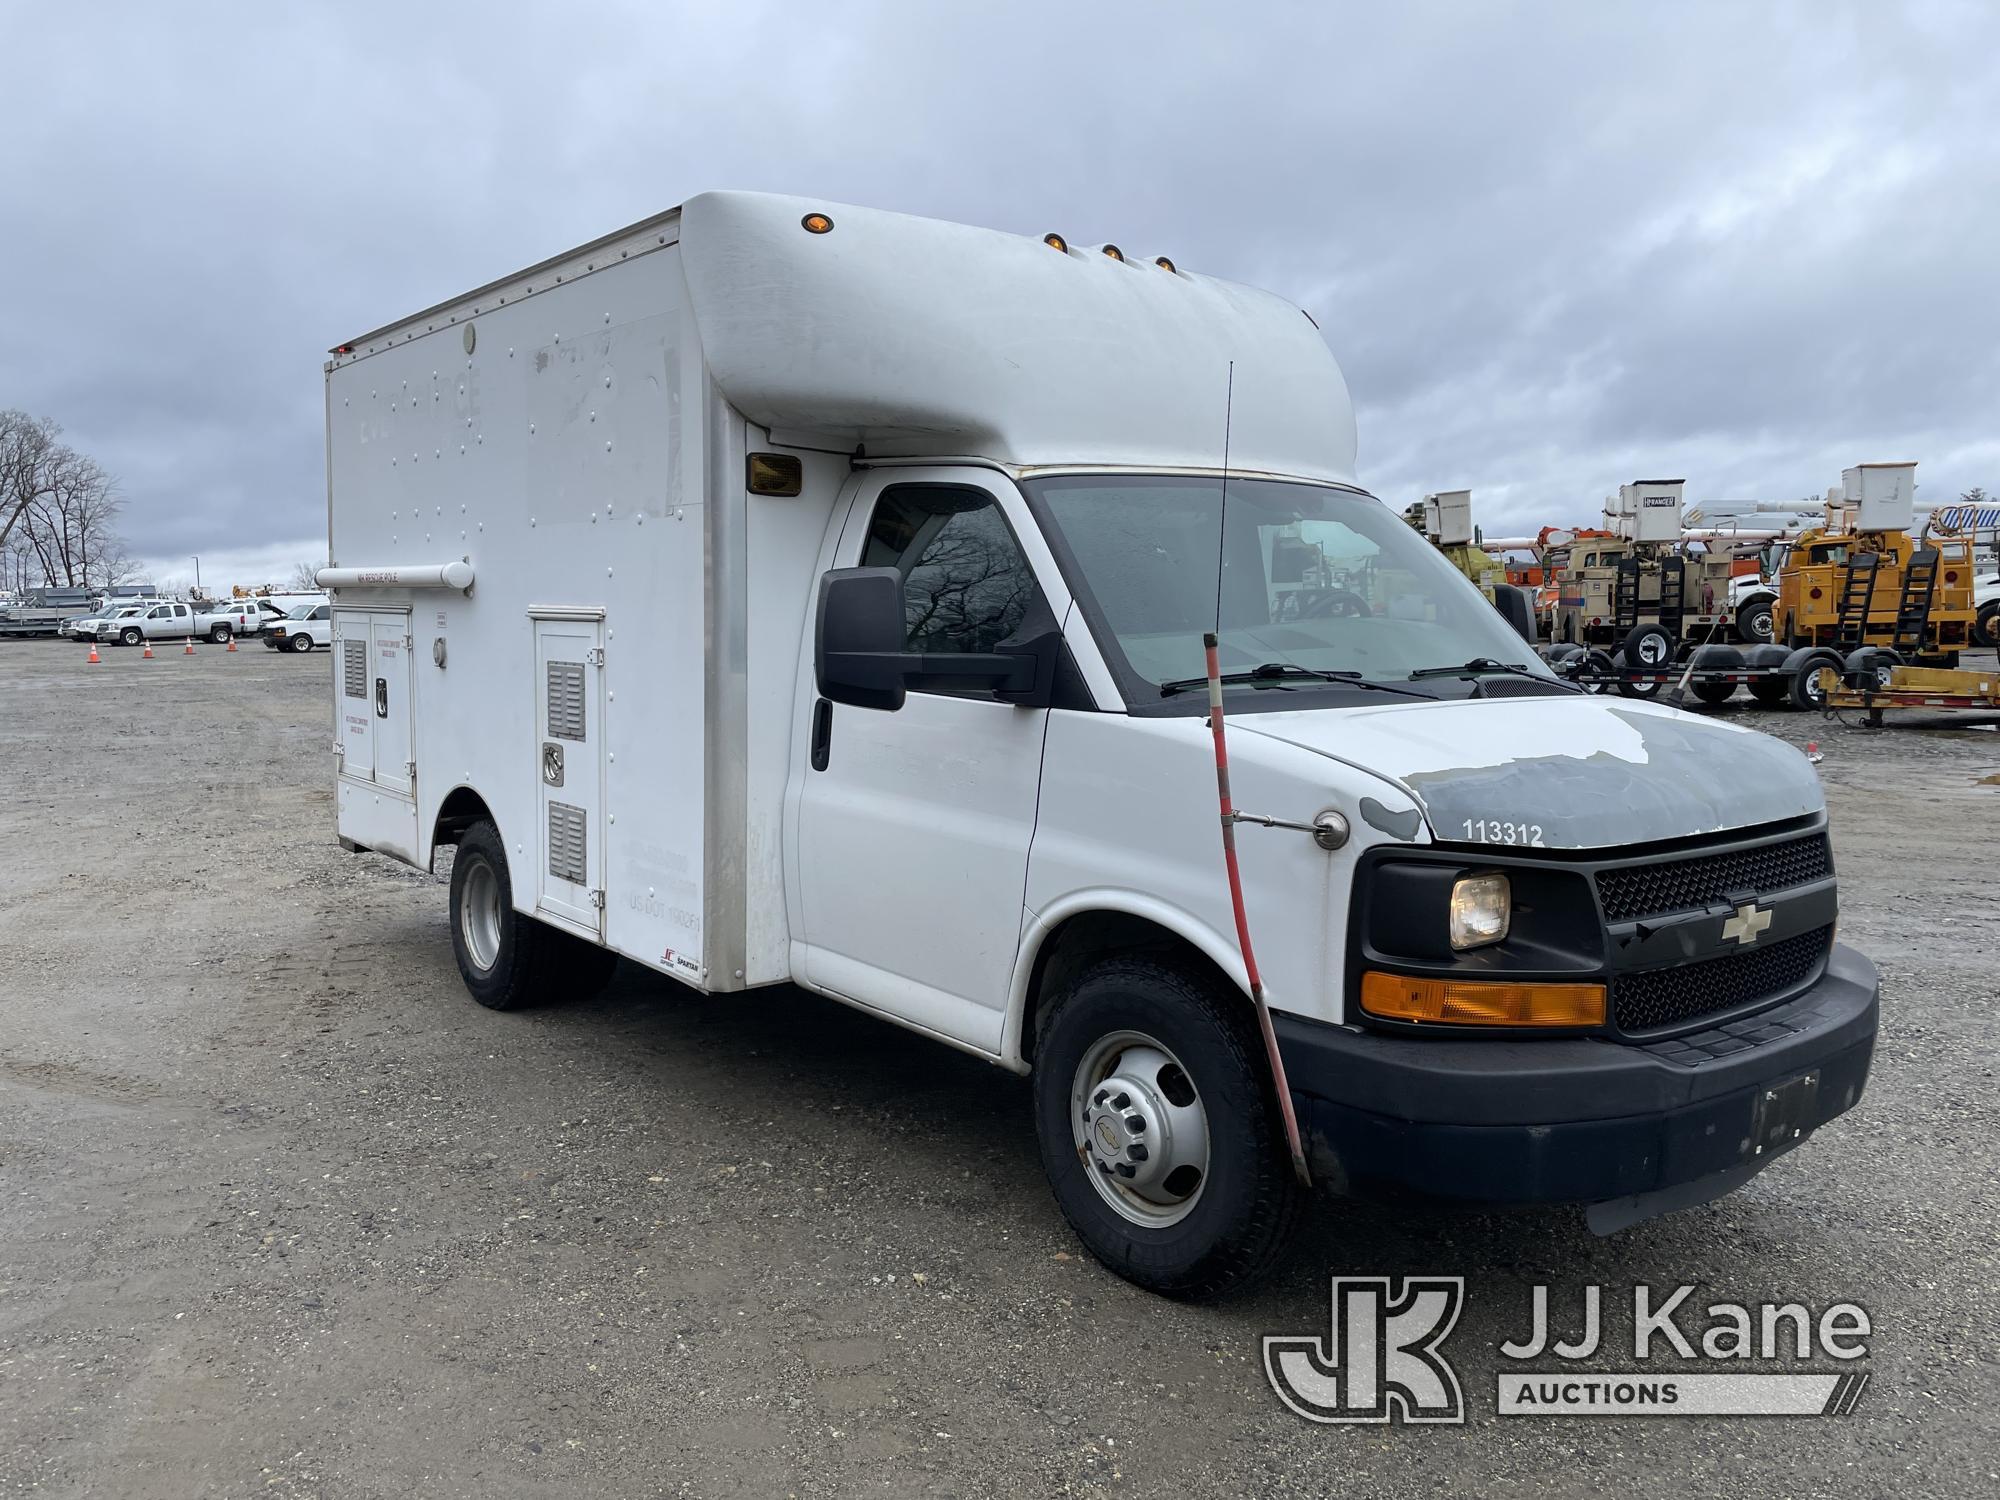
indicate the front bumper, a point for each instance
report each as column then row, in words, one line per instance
column 1492, row 1122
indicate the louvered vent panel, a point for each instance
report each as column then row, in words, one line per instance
column 566, row 700
column 566, row 843
column 354, row 663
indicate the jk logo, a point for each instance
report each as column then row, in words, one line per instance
column 1380, row 1360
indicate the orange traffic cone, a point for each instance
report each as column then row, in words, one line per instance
column 149, row 651
column 232, row 643
column 190, row 646
column 94, row 658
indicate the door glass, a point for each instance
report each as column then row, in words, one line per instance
column 966, row 584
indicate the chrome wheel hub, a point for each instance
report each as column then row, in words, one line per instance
column 1140, row 1128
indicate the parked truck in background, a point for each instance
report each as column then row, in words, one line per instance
column 823, row 602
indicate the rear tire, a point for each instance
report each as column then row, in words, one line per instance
column 510, row 961
column 1186, row 1055
column 1986, row 628
column 1754, row 626
column 220, row 635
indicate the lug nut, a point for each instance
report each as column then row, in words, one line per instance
column 1137, row 1151
column 1126, row 1169
column 1123, row 1101
column 1136, row 1124
column 1100, row 1096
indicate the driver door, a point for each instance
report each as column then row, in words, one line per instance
column 912, row 826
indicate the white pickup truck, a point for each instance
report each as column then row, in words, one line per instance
column 171, row 621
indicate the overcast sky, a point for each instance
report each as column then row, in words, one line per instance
column 1554, row 246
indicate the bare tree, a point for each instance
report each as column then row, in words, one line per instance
column 304, row 579
column 25, row 446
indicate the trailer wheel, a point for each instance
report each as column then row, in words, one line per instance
column 1648, row 648
column 1754, row 626
column 1808, row 689
column 510, row 961
column 1713, row 693
column 1598, row 668
column 1870, row 667
column 131, row 635
column 1158, row 1130
column 1770, row 691
column 1986, row 628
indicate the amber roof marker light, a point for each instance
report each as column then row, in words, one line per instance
column 1056, row 242
column 816, row 223
column 1164, row 264
column 1114, row 252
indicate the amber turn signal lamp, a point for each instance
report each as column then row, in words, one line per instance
column 816, row 223
column 1480, row 1002
column 1163, row 263
column 1114, row 252
column 1056, row 242
column 775, row 474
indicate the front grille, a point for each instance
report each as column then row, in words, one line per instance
column 1654, row 998
column 1653, row 890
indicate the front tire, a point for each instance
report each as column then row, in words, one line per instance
column 1986, row 628
column 510, row 961
column 1209, row 1201
column 131, row 637
column 301, row 643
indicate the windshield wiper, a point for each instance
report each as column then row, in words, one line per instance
column 1278, row 673
column 1486, row 666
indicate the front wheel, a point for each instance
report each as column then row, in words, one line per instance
column 1986, row 628
column 130, row 636
column 510, row 961
column 302, row 643
column 1159, row 1130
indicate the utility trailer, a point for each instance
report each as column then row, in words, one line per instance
column 776, row 591
column 1976, row 691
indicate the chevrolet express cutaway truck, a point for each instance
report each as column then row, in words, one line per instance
column 777, row 591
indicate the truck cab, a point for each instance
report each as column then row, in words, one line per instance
column 786, row 592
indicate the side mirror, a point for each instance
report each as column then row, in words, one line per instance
column 861, row 655
column 858, row 641
column 1515, row 609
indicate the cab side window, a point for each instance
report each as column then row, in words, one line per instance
column 966, row 584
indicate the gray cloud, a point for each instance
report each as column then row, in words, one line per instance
column 1554, row 246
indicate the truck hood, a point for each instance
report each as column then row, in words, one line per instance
column 1581, row 772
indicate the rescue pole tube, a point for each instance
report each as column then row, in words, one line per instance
column 1278, row 1080
column 451, row 575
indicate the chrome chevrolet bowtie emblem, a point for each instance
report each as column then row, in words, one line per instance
column 1746, row 924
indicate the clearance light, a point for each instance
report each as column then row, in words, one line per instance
column 1114, row 252
column 774, row 474
column 1163, row 263
column 1056, row 242
column 1952, row 576
column 1814, row 594
column 1480, row 1002
column 816, row 223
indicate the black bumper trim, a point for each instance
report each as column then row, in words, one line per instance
column 1497, row 1121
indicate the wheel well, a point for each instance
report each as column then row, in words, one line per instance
column 462, row 808
column 1088, row 936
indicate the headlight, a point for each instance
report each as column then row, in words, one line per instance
column 1480, row 908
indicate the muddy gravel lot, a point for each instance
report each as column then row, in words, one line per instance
column 283, row 1213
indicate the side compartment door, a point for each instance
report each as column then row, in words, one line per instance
column 354, row 691
column 389, row 702
column 569, row 761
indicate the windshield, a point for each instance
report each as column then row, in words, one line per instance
column 301, row 611
column 1314, row 578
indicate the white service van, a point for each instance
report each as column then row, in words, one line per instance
column 777, row 591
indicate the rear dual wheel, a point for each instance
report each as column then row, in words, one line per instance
column 510, row 961
column 1159, row 1130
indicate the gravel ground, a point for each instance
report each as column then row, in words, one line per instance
column 282, row 1212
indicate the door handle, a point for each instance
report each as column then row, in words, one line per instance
column 822, row 734
column 381, row 697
